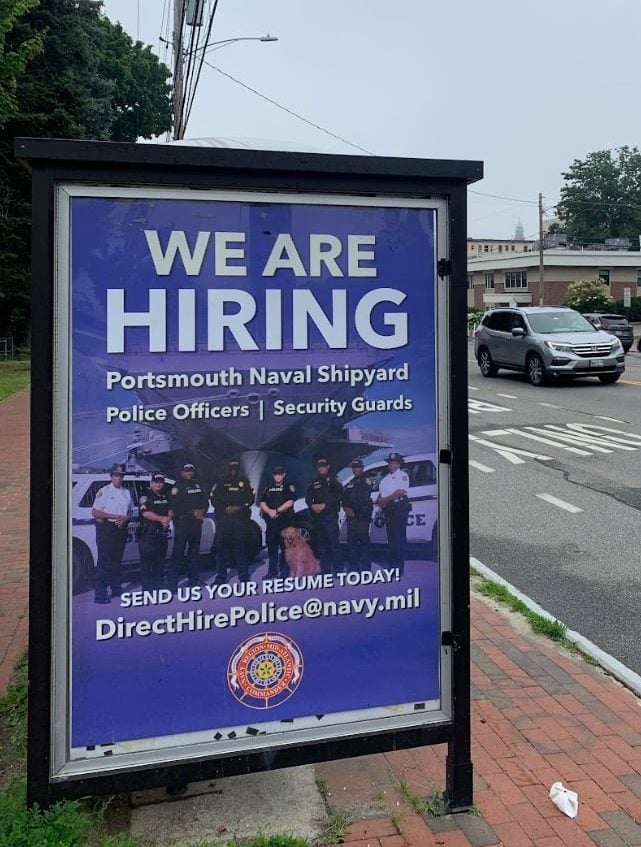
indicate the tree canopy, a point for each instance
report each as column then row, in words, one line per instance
column 90, row 80
column 13, row 61
column 602, row 197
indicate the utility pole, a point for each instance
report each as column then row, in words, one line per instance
column 179, row 17
column 541, row 261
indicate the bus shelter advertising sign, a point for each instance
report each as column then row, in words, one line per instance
column 251, row 518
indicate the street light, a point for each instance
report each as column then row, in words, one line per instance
column 198, row 54
column 216, row 45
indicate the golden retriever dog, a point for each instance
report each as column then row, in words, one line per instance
column 298, row 554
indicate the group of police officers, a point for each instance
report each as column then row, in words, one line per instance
column 186, row 503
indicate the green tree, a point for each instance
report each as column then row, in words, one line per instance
column 588, row 295
column 89, row 81
column 602, row 197
column 13, row 61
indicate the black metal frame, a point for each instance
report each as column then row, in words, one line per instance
column 105, row 163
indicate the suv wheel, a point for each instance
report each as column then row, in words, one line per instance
column 608, row 379
column 535, row 369
column 487, row 366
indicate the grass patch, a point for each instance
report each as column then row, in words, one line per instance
column 63, row 825
column 13, row 713
column 14, row 376
column 68, row 824
column 553, row 629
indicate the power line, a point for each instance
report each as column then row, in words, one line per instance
column 201, row 50
column 500, row 197
column 285, row 109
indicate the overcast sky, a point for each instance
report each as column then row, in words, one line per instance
column 526, row 87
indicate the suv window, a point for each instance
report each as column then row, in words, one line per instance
column 613, row 319
column 504, row 321
column 499, row 321
column 518, row 321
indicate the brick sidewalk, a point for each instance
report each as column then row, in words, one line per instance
column 538, row 716
column 14, row 532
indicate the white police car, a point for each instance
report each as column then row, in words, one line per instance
column 84, row 549
column 422, row 524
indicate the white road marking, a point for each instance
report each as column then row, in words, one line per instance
column 533, row 437
column 509, row 396
column 485, row 406
column 480, row 467
column 580, row 439
column 612, row 434
column 560, row 503
column 549, row 405
column 510, row 453
column 605, row 418
column 589, row 440
column 473, row 388
column 574, row 438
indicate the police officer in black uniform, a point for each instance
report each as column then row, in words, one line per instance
column 188, row 503
column 357, row 505
column 155, row 518
column 232, row 498
column 323, row 496
column 277, row 505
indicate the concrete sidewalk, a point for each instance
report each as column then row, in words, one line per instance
column 539, row 716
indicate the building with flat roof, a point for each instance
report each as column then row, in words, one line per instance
column 480, row 247
column 500, row 280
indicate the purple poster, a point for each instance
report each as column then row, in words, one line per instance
column 254, row 488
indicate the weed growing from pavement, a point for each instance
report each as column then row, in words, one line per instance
column 431, row 806
column 271, row 841
column 337, row 822
column 541, row 625
column 335, row 826
column 393, row 814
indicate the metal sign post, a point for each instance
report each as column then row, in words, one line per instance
column 249, row 405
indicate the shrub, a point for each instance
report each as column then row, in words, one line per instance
column 589, row 295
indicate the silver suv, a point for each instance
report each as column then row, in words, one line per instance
column 546, row 341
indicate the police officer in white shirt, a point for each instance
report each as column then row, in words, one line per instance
column 393, row 500
column 111, row 510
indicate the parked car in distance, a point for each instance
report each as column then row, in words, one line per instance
column 546, row 342
column 614, row 324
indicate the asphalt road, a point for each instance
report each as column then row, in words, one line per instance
column 555, row 498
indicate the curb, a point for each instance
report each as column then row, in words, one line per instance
column 613, row 666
